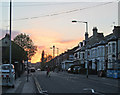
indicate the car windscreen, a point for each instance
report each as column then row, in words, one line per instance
column 6, row 67
column 77, row 67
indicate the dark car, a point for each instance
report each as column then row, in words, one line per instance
column 32, row 69
column 76, row 69
column 69, row 70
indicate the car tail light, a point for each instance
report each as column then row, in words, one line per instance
column 7, row 76
column 2, row 75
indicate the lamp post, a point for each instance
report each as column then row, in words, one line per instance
column 86, row 23
column 74, row 21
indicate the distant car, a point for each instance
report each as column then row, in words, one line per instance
column 32, row 69
column 76, row 69
column 7, row 79
column 38, row 69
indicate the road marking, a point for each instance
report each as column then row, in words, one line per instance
column 92, row 90
column 39, row 87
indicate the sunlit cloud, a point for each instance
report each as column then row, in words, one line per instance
column 40, row 47
column 68, row 41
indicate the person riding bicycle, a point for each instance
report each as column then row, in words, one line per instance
column 48, row 72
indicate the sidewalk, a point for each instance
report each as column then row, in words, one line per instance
column 22, row 86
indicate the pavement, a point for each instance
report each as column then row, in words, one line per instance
column 22, row 86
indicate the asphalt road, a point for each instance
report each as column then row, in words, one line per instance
column 71, row 83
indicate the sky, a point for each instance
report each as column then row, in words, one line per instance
column 50, row 23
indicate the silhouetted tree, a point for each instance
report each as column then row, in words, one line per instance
column 24, row 41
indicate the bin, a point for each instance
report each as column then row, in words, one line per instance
column 111, row 73
column 115, row 74
column 108, row 73
column 118, row 73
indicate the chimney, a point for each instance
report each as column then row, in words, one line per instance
column 95, row 31
column 116, row 31
column 86, row 36
column 80, row 44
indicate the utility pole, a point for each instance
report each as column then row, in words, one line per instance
column 10, row 34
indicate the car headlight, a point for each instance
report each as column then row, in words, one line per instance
column 69, row 69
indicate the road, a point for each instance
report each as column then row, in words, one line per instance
column 71, row 83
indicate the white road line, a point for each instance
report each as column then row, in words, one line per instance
column 39, row 87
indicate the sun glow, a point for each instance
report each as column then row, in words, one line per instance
column 45, row 40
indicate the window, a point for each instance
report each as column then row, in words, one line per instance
column 79, row 55
column 101, row 51
column 113, row 47
column 83, row 55
column 109, row 48
column 96, row 52
column 6, row 67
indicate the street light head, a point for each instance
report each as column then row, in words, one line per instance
column 74, row 21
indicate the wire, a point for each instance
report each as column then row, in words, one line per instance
column 35, row 5
column 66, row 12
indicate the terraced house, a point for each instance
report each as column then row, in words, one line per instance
column 99, row 52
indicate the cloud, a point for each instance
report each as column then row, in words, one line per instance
column 68, row 41
column 43, row 36
column 40, row 47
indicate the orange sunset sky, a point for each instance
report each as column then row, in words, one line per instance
column 44, row 41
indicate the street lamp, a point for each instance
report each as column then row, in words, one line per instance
column 74, row 21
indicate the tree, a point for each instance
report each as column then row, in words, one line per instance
column 24, row 41
column 48, row 58
column 42, row 58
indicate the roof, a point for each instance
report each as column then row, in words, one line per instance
column 93, row 40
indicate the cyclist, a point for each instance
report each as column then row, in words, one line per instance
column 48, row 72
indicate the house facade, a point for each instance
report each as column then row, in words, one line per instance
column 18, row 54
column 96, row 53
column 99, row 52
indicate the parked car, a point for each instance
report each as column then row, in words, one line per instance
column 69, row 70
column 38, row 69
column 32, row 69
column 76, row 69
column 7, row 78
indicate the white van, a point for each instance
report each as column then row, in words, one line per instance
column 7, row 78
